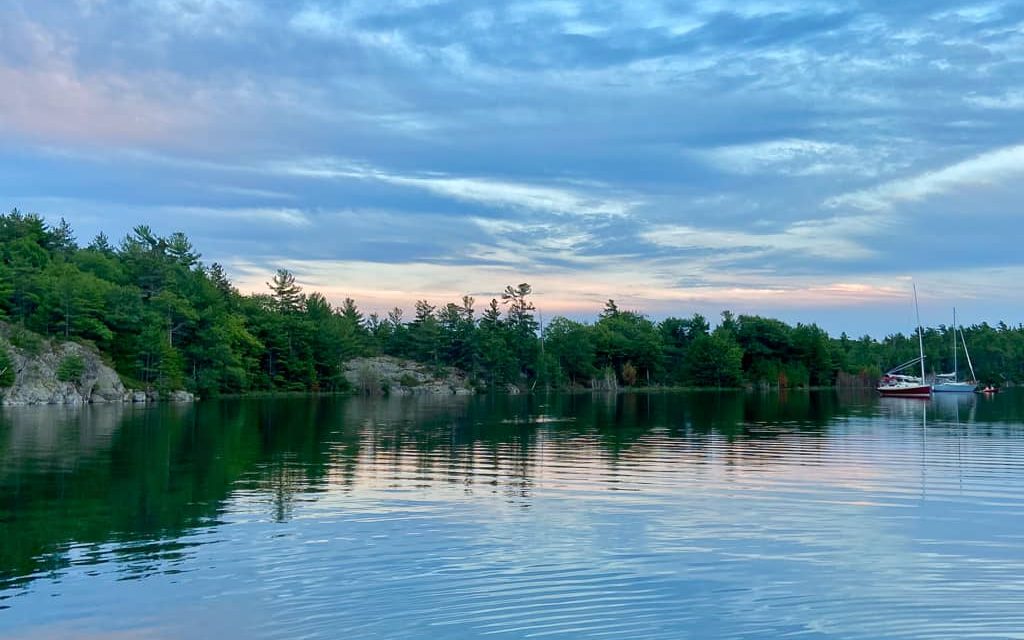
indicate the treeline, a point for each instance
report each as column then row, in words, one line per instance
column 165, row 321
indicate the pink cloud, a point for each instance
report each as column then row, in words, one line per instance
column 54, row 103
column 48, row 98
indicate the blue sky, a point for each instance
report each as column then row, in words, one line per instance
column 798, row 159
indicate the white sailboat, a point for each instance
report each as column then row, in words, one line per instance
column 895, row 383
column 947, row 382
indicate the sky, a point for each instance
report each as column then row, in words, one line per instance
column 803, row 160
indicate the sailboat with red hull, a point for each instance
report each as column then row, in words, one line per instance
column 895, row 383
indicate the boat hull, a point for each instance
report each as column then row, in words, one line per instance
column 954, row 387
column 909, row 391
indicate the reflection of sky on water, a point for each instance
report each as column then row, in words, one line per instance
column 443, row 521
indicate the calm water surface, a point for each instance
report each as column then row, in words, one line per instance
column 698, row 515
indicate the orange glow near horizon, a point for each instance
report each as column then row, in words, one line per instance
column 379, row 287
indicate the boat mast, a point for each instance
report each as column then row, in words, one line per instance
column 955, row 376
column 967, row 353
column 920, row 336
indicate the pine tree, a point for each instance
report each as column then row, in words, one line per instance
column 287, row 295
column 63, row 239
column 220, row 280
column 180, row 249
column 101, row 244
column 351, row 312
column 522, row 326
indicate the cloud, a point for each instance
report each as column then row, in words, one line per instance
column 486, row 191
column 532, row 244
column 215, row 17
column 48, row 96
column 533, row 140
column 797, row 157
column 249, row 192
column 829, row 239
column 988, row 169
column 289, row 217
column 55, row 102
column 1012, row 100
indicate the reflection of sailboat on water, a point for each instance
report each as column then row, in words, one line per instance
column 950, row 405
column 947, row 382
column 895, row 383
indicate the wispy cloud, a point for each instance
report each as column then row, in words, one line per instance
column 555, row 158
column 202, row 17
column 987, row 169
column 249, row 192
column 286, row 216
column 794, row 157
column 487, row 191
column 1011, row 100
column 515, row 242
column 830, row 239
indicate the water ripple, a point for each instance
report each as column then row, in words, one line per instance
column 454, row 520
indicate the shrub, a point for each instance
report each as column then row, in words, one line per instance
column 368, row 381
column 409, row 380
column 629, row 374
column 25, row 340
column 71, row 368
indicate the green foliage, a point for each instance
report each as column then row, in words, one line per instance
column 25, row 340
column 571, row 348
column 169, row 376
column 287, row 294
column 715, row 360
column 71, row 368
column 167, row 321
column 622, row 337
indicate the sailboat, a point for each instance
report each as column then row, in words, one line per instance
column 947, row 382
column 895, row 383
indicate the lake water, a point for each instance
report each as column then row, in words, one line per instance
column 701, row 515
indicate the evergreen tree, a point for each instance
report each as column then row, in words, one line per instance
column 165, row 320
column 522, row 327
column 180, row 250
column 101, row 244
column 496, row 357
column 425, row 334
column 219, row 278
column 287, row 295
column 63, row 239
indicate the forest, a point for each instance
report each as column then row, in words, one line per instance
column 166, row 320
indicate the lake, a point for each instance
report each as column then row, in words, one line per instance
column 662, row 515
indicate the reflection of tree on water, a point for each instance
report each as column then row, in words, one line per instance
column 125, row 474
column 138, row 478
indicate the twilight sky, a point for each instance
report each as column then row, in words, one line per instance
column 797, row 159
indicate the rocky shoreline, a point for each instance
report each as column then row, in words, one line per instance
column 386, row 375
column 66, row 373
column 52, row 372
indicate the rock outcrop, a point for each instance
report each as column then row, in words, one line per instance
column 52, row 372
column 394, row 376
